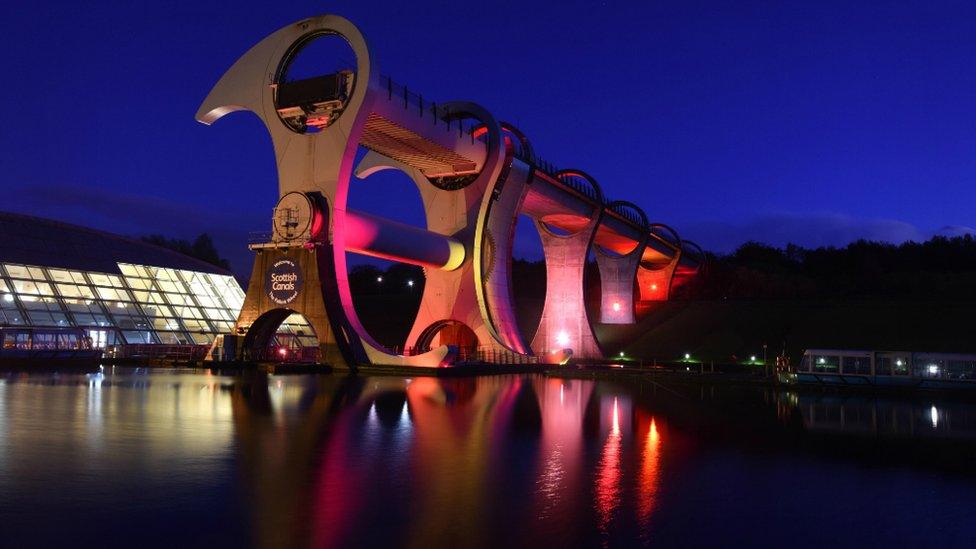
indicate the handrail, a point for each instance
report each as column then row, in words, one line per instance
column 439, row 114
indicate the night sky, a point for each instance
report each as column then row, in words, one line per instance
column 816, row 123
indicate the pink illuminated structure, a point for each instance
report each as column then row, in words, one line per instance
column 475, row 175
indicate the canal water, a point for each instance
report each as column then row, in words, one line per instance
column 140, row 458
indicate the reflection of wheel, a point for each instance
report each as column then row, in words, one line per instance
column 293, row 216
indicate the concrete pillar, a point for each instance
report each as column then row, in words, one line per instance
column 654, row 284
column 618, row 270
column 564, row 323
column 617, row 273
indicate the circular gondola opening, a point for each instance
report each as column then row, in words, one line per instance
column 315, row 81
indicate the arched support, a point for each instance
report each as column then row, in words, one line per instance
column 618, row 271
column 654, row 282
column 565, row 323
column 481, row 215
column 692, row 261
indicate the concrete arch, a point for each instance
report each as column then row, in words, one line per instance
column 639, row 218
column 662, row 230
column 527, row 153
column 697, row 250
column 262, row 330
column 567, row 176
column 457, row 333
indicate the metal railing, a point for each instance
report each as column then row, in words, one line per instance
column 438, row 113
column 477, row 355
column 169, row 352
column 626, row 212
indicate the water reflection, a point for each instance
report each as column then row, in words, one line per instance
column 918, row 417
column 327, row 461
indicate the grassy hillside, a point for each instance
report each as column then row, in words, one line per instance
column 717, row 330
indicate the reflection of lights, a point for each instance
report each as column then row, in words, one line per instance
column 616, row 306
column 933, row 369
column 650, row 472
column 562, row 338
column 608, row 473
column 8, row 297
column 934, row 414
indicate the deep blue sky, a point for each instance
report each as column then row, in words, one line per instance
column 816, row 122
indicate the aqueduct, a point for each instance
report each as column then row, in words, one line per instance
column 476, row 175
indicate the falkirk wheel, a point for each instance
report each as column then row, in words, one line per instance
column 476, row 175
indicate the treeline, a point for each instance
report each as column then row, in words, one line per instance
column 941, row 268
column 201, row 248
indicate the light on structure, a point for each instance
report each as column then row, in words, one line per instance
column 933, row 369
column 282, row 351
column 621, row 353
column 687, row 356
column 899, row 363
column 410, row 283
column 616, row 306
column 752, row 358
column 653, row 287
column 379, row 279
column 8, row 297
column 562, row 338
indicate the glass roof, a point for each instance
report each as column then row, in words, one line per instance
column 145, row 304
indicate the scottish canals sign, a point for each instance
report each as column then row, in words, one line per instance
column 283, row 282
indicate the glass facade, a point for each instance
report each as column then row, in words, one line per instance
column 141, row 305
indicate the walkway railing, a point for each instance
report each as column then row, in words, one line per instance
column 478, row 355
column 439, row 114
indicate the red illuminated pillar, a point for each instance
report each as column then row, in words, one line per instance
column 654, row 283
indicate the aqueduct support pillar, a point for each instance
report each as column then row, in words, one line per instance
column 564, row 323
